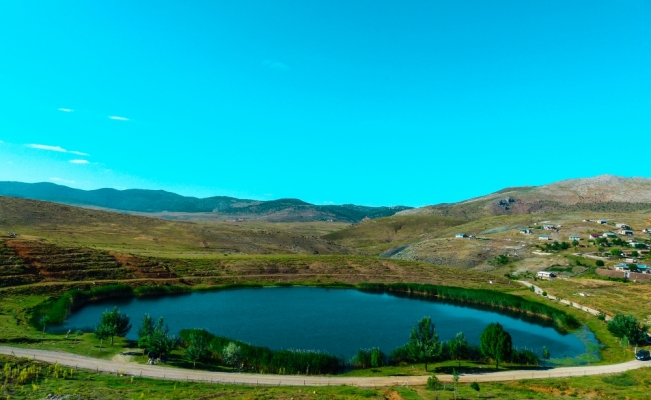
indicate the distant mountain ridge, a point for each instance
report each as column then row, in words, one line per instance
column 601, row 193
column 159, row 201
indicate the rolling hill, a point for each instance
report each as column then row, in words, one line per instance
column 162, row 204
column 428, row 234
column 605, row 193
column 75, row 226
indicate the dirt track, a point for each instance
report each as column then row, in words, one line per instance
column 158, row 372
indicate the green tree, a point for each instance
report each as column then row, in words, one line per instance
column 455, row 381
column 43, row 321
column 423, row 345
column 145, row 333
column 599, row 263
column 459, row 347
column 433, row 383
column 232, row 354
column 197, row 347
column 496, row 343
column 634, row 253
column 575, row 242
column 545, row 353
column 115, row 323
column 627, row 326
column 615, row 252
column 377, row 357
column 102, row 332
column 155, row 337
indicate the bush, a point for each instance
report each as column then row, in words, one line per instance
column 599, row 263
column 58, row 310
column 627, row 326
column 524, row 357
column 433, row 383
column 265, row 360
column 479, row 296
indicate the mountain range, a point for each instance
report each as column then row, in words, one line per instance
column 174, row 206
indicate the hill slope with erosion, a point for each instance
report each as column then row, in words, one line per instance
column 162, row 204
column 605, row 193
column 76, row 226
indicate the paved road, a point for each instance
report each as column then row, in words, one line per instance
column 158, row 372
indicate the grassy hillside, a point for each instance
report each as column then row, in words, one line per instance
column 75, row 226
column 34, row 262
column 378, row 235
column 432, row 239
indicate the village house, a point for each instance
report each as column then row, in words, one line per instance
column 621, row 267
column 601, row 221
column 646, row 230
column 622, row 226
column 638, row 245
column 609, row 235
column 545, row 275
column 626, row 232
column 549, row 227
column 574, row 237
column 595, row 235
column 526, row 231
column 543, row 237
column 460, row 236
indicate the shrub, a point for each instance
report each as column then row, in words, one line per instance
column 599, row 263
column 479, row 296
column 433, row 383
column 627, row 326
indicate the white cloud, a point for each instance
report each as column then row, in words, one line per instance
column 79, row 161
column 275, row 64
column 47, row 147
column 66, row 109
column 118, row 118
column 55, row 179
column 58, row 149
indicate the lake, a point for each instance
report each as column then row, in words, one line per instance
column 336, row 321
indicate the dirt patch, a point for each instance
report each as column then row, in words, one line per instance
column 392, row 395
column 128, row 355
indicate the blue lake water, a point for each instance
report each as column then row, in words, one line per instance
column 336, row 321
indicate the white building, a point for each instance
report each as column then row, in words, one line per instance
column 545, row 275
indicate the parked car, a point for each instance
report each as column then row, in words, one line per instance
column 643, row 355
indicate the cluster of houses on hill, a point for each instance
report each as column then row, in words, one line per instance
column 624, row 229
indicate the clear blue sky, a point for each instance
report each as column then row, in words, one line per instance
column 366, row 102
